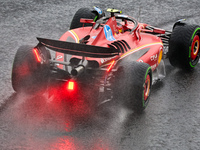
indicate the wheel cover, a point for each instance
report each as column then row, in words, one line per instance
column 147, row 87
column 195, row 47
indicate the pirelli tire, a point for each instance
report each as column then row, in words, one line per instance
column 82, row 13
column 132, row 85
column 28, row 74
column 184, row 46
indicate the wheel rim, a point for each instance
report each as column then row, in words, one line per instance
column 147, row 87
column 195, row 47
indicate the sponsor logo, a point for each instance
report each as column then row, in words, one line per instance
column 108, row 33
column 59, row 57
column 154, row 57
column 105, row 59
column 154, row 67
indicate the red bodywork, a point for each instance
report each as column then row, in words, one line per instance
column 141, row 39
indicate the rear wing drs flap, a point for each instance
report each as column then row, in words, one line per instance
column 79, row 49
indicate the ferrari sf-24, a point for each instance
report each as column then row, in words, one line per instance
column 105, row 58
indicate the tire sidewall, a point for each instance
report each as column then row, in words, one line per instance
column 195, row 62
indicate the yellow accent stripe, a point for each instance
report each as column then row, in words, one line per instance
column 107, row 64
column 75, row 36
column 139, row 48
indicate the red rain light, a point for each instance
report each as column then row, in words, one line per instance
column 37, row 54
column 70, row 85
column 111, row 65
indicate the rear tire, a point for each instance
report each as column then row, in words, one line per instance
column 184, row 46
column 29, row 75
column 132, row 85
column 82, row 13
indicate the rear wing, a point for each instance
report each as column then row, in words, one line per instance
column 79, row 49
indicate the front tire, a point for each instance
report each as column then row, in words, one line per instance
column 184, row 46
column 132, row 85
column 28, row 74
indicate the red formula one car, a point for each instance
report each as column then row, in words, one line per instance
column 105, row 58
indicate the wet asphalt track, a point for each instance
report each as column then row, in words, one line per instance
column 171, row 120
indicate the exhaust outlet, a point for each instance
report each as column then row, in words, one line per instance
column 78, row 70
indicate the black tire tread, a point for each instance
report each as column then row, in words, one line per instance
column 82, row 13
column 179, row 44
column 129, row 83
